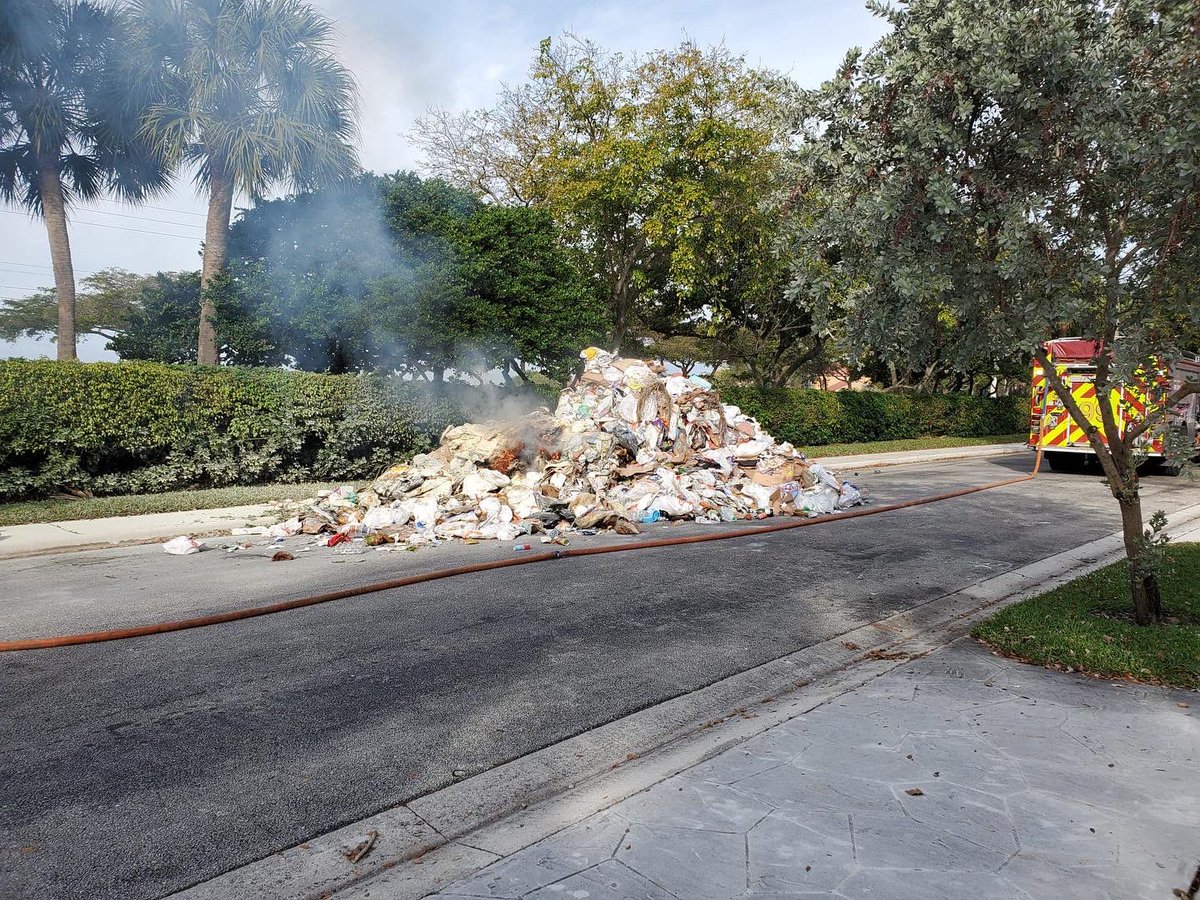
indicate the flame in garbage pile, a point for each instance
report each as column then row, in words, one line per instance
column 626, row 445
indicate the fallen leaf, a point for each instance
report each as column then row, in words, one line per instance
column 915, row 792
column 1182, row 705
column 281, row 556
column 850, row 645
column 883, row 654
column 356, row 854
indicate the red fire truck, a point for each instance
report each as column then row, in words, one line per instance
column 1065, row 445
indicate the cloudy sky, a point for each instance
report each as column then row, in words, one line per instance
column 408, row 56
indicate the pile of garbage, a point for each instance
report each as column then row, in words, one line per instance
column 627, row 445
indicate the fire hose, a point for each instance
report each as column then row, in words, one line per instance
column 234, row 615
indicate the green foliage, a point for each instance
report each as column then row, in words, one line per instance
column 539, row 309
column 113, row 428
column 102, row 307
column 244, row 90
column 811, row 417
column 655, row 169
column 61, row 109
column 997, row 174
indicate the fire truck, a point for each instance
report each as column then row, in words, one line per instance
column 1065, row 445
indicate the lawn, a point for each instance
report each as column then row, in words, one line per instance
column 138, row 504
column 1087, row 626
column 925, row 443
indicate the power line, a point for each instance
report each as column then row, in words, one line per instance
column 13, row 262
column 186, row 237
column 31, row 274
column 13, row 212
column 185, row 212
column 105, row 212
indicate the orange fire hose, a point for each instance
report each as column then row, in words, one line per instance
column 118, row 634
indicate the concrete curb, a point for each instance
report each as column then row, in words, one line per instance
column 453, row 832
column 19, row 541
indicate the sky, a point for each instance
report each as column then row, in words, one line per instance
column 408, row 56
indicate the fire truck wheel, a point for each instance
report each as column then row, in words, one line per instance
column 1066, row 462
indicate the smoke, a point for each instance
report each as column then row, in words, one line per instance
column 361, row 278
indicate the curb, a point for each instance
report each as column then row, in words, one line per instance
column 453, row 832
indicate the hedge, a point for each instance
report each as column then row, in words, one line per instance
column 132, row 427
column 811, row 417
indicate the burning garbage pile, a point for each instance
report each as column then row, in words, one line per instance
column 626, row 446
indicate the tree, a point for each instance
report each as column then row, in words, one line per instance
column 67, row 134
column 1004, row 173
column 537, row 307
column 249, row 93
column 651, row 167
column 102, row 308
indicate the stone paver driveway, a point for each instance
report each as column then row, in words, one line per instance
column 960, row 775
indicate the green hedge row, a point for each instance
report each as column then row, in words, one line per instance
column 115, row 428
column 812, row 417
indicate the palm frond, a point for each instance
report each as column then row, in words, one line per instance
column 255, row 94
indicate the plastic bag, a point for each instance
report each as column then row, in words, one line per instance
column 183, row 546
column 385, row 517
column 849, row 496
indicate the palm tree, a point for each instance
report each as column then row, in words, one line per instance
column 67, row 133
column 248, row 93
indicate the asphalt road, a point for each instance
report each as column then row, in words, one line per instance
column 132, row 769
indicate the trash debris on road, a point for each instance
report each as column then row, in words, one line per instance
column 628, row 445
column 281, row 556
column 183, row 546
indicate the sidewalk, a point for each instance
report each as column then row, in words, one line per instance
column 958, row 775
column 84, row 534
column 1029, row 784
column 903, row 457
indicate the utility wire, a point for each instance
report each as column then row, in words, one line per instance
column 79, row 274
column 184, row 212
column 186, row 237
column 105, row 212
column 13, row 262
column 14, row 212
column 47, row 271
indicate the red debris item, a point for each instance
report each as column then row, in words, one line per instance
column 503, row 461
column 338, row 538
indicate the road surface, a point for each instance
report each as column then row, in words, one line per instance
column 132, row 769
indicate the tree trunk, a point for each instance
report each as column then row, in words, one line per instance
column 216, row 244
column 54, row 214
column 1143, row 582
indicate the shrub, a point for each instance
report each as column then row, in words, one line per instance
column 810, row 417
column 135, row 427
